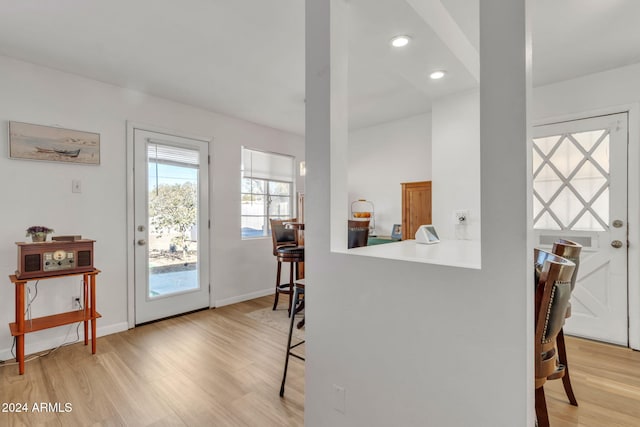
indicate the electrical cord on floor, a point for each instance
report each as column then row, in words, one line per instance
column 48, row 352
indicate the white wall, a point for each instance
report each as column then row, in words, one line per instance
column 456, row 164
column 382, row 157
column 608, row 89
column 39, row 193
column 417, row 344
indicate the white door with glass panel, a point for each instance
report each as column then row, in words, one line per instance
column 580, row 193
column 171, row 225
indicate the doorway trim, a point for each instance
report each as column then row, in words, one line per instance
column 131, row 126
column 633, row 205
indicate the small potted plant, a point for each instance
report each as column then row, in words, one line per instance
column 38, row 233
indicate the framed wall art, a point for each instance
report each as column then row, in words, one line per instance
column 396, row 232
column 47, row 143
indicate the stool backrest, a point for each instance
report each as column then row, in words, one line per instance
column 282, row 236
column 570, row 250
column 551, row 302
column 358, row 233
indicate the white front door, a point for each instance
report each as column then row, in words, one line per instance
column 580, row 193
column 171, row 225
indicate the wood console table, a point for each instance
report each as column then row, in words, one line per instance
column 21, row 327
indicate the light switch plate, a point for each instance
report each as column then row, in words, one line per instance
column 76, row 186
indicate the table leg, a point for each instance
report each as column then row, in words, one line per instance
column 85, row 283
column 93, row 314
column 20, row 323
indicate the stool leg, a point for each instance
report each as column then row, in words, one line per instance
column 275, row 302
column 541, row 408
column 290, row 286
column 286, row 361
column 562, row 358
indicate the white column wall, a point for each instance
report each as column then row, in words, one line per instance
column 416, row 344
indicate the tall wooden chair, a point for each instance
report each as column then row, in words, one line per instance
column 285, row 249
column 553, row 291
column 569, row 250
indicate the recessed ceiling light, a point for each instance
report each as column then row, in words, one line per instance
column 400, row 41
column 437, row 74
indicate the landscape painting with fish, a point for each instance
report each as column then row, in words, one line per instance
column 37, row 142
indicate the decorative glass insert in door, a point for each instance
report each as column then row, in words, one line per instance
column 571, row 181
column 173, row 219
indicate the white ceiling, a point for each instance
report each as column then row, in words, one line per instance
column 245, row 58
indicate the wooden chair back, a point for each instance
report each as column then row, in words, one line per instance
column 282, row 236
column 358, row 233
column 551, row 301
column 570, row 250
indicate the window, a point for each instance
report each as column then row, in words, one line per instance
column 267, row 191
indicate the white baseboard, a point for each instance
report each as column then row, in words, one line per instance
column 241, row 298
column 32, row 346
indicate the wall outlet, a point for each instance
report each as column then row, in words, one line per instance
column 461, row 217
column 339, row 399
column 77, row 304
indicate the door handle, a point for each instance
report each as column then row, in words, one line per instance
column 616, row 244
column 143, row 242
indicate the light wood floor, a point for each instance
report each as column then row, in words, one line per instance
column 210, row 368
column 222, row 368
column 606, row 381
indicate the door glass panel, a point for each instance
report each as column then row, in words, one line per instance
column 537, row 207
column 601, row 208
column 601, row 154
column 571, row 181
column 566, row 206
column 587, row 222
column 173, row 220
column 546, row 222
column 547, row 188
column 587, row 139
column 537, row 160
column 546, row 144
column 588, row 181
column 566, row 158
column 547, row 174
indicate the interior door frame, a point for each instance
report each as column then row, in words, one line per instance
column 633, row 204
column 131, row 126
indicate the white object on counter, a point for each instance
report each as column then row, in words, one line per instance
column 427, row 235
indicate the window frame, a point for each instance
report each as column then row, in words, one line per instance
column 267, row 195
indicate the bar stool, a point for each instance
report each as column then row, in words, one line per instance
column 570, row 250
column 285, row 249
column 298, row 304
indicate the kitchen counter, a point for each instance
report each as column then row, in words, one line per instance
column 454, row 253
